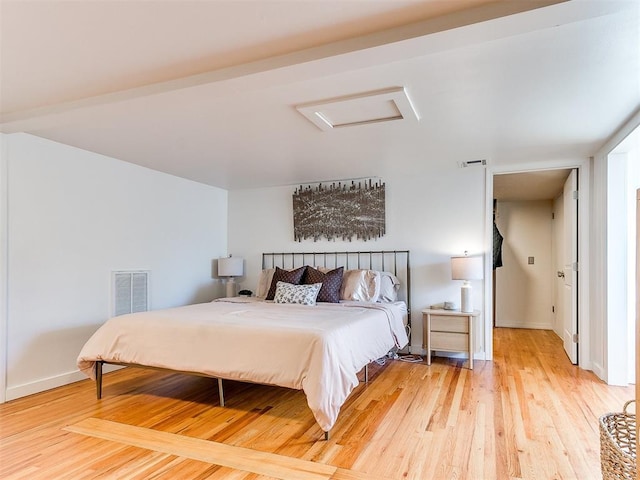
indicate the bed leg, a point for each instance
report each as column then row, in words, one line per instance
column 221, row 392
column 326, row 436
column 366, row 373
column 99, row 380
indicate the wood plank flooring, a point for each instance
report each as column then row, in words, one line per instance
column 529, row 414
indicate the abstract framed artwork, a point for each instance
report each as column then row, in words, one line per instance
column 340, row 210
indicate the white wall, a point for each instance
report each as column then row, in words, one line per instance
column 598, row 234
column 433, row 216
column 633, row 183
column 617, row 269
column 524, row 294
column 73, row 218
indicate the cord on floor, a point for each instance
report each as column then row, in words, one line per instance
column 411, row 358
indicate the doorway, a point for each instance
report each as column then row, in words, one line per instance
column 535, row 281
column 528, row 183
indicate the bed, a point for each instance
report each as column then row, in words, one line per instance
column 319, row 348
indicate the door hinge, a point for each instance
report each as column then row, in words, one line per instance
column 575, row 195
column 576, row 338
column 574, row 266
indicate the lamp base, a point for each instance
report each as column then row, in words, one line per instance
column 231, row 287
column 466, row 305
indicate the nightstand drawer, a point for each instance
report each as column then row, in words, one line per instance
column 450, row 341
column 448, row 323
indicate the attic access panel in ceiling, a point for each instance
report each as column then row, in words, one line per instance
column 372, row 107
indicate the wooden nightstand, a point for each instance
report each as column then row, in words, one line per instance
column 448, row 331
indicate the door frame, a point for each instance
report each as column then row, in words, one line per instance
column 600, row 191
column 584, row 176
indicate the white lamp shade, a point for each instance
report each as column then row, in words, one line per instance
column 230, row 267
column 466, row 268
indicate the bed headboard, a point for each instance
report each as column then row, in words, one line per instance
column 393, row 261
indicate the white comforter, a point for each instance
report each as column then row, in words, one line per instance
column 318, row 349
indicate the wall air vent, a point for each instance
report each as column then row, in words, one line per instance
column 372, row 107
column 129, row 291
column 472, row 163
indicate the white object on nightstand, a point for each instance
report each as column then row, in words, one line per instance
column 448, row 331
column 230, row 267
column 466, row 268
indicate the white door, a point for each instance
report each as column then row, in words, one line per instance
column 557, row 247
column 570, row 268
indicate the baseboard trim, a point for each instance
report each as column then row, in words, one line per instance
column 417, row 350
column 44, row 384
column 599, row 371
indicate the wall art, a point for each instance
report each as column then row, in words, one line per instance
column 340, row 210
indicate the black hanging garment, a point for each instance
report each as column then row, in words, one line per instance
column 497, row 247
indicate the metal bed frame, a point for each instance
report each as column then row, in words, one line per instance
column 392, row 261
column 374, row 260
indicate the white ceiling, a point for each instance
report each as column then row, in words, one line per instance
column 207, row 90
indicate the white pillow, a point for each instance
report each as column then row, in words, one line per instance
column 300, row 294
column 360, row 285
column 389, row 286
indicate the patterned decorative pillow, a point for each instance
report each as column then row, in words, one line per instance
column 300, row 294
column 331, row 283
column 288, row 276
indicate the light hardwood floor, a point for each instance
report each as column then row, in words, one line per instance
column 529, row 414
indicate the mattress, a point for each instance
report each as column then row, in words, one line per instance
column 318, row 349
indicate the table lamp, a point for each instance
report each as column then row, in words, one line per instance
column 230, row 267
column 466, row 268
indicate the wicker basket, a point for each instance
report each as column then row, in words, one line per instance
column 618, row 445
